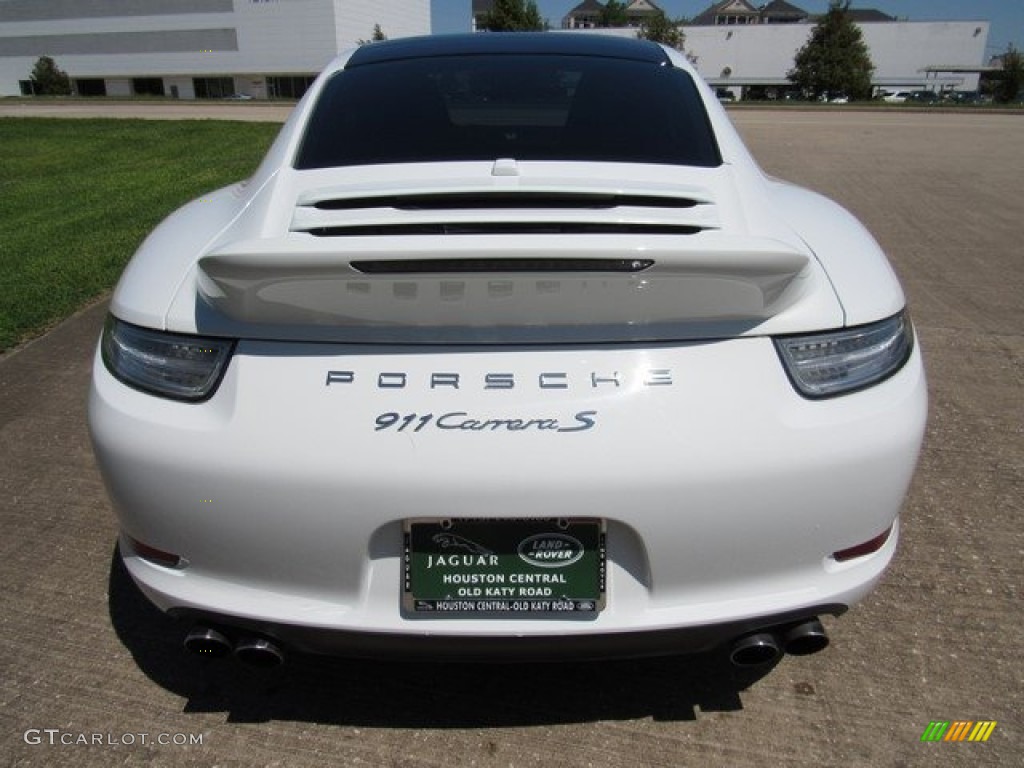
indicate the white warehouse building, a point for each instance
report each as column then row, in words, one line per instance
column 739, row 44
column 908, row 55
column 192, row 48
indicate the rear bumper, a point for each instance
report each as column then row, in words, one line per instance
column 561, row 647
column 725, row 493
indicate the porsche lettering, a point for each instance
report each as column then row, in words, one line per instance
column 546, row 380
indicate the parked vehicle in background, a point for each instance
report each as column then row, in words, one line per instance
column 895, row 97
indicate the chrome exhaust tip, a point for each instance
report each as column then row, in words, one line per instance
column 755, row 650
column 259, row 652
column 208, row 642
column 806, row 638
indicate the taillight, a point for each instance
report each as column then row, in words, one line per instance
column 172, row 365
column 839, row 362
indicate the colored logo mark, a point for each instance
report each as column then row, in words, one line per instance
column 958, row 730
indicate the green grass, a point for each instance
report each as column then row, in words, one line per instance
column 78, row 196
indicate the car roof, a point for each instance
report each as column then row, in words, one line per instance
column 566, row 44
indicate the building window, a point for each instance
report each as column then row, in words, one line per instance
column 288, row 86
column 733, row 20
column 148, row 86
column 91, row 86
column 213, row 87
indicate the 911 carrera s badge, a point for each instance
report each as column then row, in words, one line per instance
column 461, row 421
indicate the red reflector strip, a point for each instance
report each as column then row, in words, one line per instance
column 867, row 548
column 155, row 555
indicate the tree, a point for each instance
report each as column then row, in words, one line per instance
column 513, row 16
column 1011, row 78
column 835, row 58
column 48, row 79
column 613, row 14
column 660, row 29
column 376, row 37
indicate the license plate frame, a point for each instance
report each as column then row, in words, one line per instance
column 504, row 567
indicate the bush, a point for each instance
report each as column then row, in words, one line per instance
column 48, row 79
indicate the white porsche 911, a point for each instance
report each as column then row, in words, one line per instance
column 508, row 349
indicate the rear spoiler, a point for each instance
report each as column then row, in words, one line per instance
column 424, row 289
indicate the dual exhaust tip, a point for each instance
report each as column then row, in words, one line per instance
column 768, row 645
column 754, row 650
column 251, row 650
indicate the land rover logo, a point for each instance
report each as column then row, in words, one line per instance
column 550, row 550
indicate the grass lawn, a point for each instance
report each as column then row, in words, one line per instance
column 78, row 196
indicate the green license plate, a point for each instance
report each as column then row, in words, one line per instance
column 479, row 568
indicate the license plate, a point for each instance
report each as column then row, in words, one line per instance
column 479, row 568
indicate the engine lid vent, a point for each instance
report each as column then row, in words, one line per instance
column 503, row 212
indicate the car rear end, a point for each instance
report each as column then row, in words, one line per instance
column 410, row 393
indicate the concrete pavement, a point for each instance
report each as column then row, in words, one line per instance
column 83, row 656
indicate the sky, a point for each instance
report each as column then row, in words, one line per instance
column 1006, row 17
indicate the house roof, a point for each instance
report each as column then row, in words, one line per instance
column 587, row 7
column 642, row 7
column 869, row 14
column 726, row 7
column 782, row 9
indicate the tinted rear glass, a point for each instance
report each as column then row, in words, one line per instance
column 527, row 107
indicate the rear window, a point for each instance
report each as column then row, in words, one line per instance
column 527, row 107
